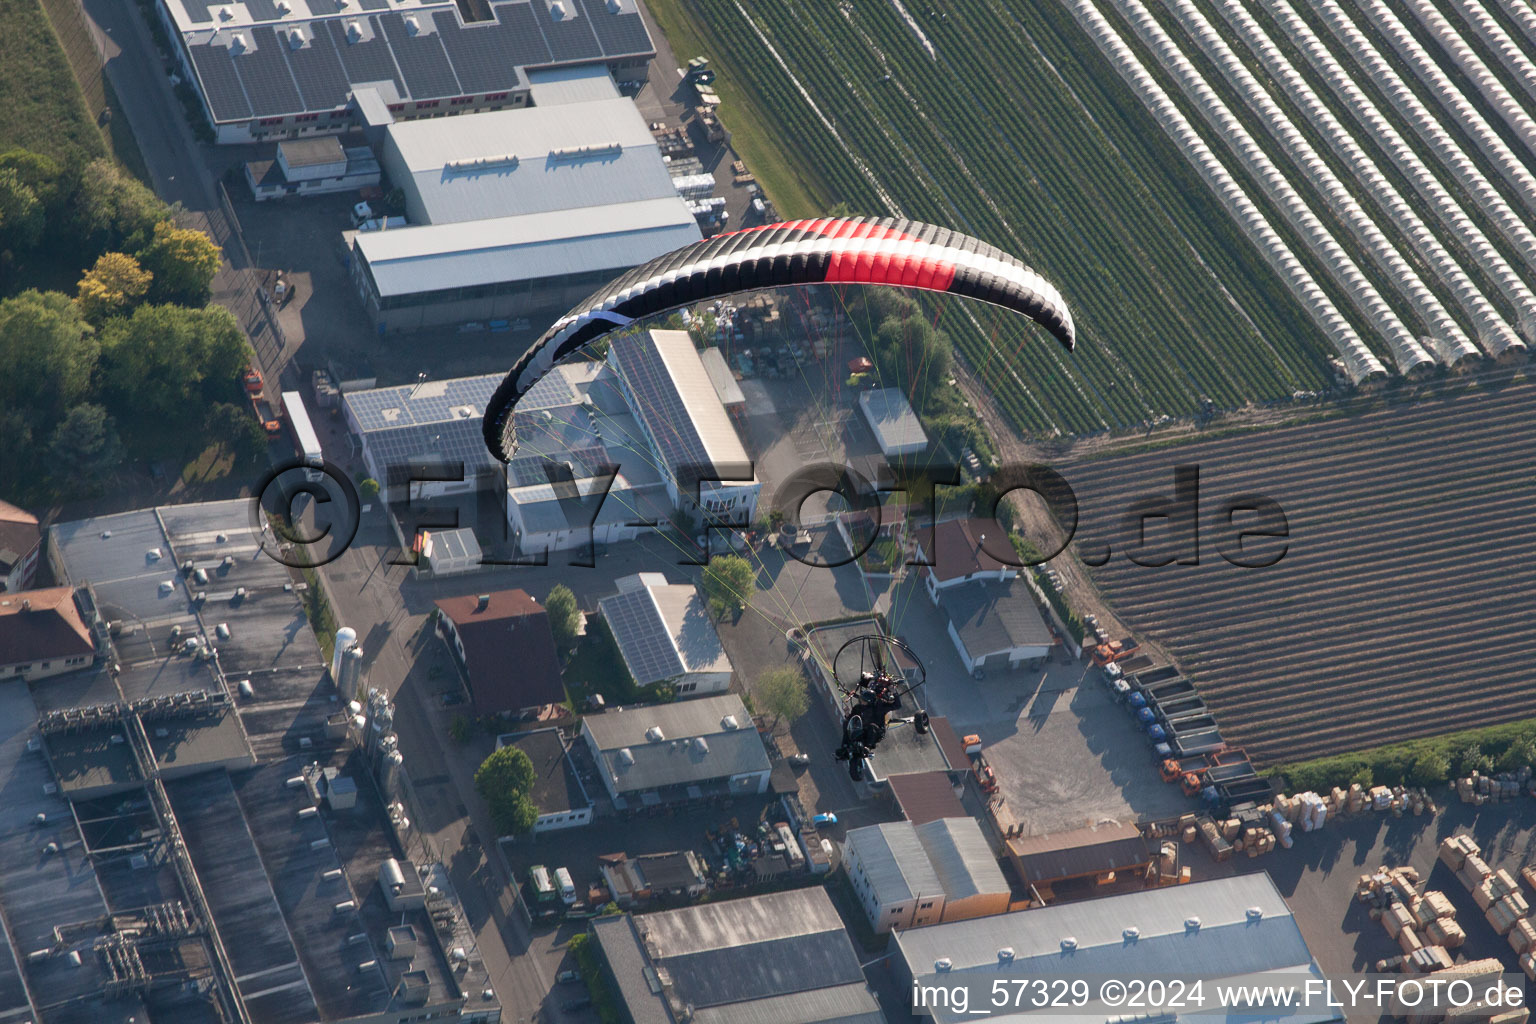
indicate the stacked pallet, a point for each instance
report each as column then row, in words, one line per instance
column 1444, row 931
column 1480, row 974
column 1507, row 913
column 1494, row 888
column 1479, row 789
column 1473, row 871
column 1454, row 850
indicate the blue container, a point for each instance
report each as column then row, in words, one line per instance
column 1210, row 796
column 1162, row 752
column 1157, row 734
column 1146, row 717
column 1138, row 700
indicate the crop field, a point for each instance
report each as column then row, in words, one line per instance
column 1402, row 606
column 1002, row 119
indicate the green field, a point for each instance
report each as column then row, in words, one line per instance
column 1016, row 130
column 44, row 109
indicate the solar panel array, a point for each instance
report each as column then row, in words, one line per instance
column 322, row 80
column 271, row 79
column 642, row 636
column 265, row 73
column 221, row 85
column 657, row 404
column 433, row 402
column 421, row 59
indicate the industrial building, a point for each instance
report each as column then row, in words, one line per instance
column 665, row 753
column 665, row 635
column 21, row 542
column 557, row 790
column 516, row 212
column 285, row 69
column 995, row 624
column 311, row 167
column 235, row 826
column 689, row 434
column 1079, row 860
column 503, row 644
column 896, row 427
column 1222, row 929
column 601, row 446
column 780, row 957
column 957, row 551
column 678, row 875
column 908, row 876
column 42, row 634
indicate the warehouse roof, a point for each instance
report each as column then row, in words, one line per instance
column 676, row 401
column 38, row 625
column 639, row 986
column 312, row 152
column 891, row 417
column 559, row 243
column 993, row 617
column 738, row 952
column 265, row 58
column 662, row 629
column 1079, row 852
column 894, row 861
column 674, row 758
column 549, row 86
column 1226, row 941
column 509, row 650
column 509, row 163
column 962, row 857
column 726, row 387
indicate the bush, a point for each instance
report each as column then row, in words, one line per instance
column 1431, row 759
column 1471, row 759
column 1365, row 778
column 368, row 488
column 1520, row 754
column 1429, row 769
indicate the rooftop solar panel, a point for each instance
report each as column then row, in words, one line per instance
column 221, row 85
column 641, row 634
column 199, row 11
column 322, row 80
column 421, row 59
column 264, row 71
column 657, row 404
column 263, row 10
column 373, row 5
column 368, row 60
column 486, row 54
column 568, row 40
column 619, row 34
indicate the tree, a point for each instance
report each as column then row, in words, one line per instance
column 564, row 615
column 728, row 584
column 113, row 210
column 783, row 693
column 42, row 174
column 184, row 263
column 367, row 488
column 1471, row 759
column 1429, row 769
column 503, row 780
column 112, row 287
column 21, row 213
column 163, row 366
column 84, row 447
column 234, row 427
column 49, row 353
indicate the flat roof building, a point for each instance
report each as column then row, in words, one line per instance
column 21, row 543
column 907, row 875
column 995, row 624
column 664, row 753
column 312, row 167
column 1088, row 854
column 926, row 796
column 665, row 635
column 1225, row 928
column 518, row 211
column 780, row 957
column 557, row 790
column 291, row 68
column 895, row 426
column 504, row 642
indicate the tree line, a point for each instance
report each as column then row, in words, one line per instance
column 134, row 363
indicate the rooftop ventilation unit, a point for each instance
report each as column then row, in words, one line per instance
column 237, row 43
column 1005, row 955
column 226, row 13
column 1068, row 944
column 700, row 744
column 296, row 40
column 943, row 963
column 1131, row 934
column 354, row 32
column 614, row 6
column 595, row 149
column 654, row 734
column 626, row 756
column 1191, row 924
column 412, row 25
column 729, row 723
column 1255, row 913
column 481, row 163
column 283, row 7
column 557, row 10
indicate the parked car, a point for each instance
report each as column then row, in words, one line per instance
column 827, row 818
column 800, row 760
column 568, row 976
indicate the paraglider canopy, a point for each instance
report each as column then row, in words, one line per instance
column 857, row 250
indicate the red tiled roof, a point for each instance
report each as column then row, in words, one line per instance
column 40, row 625
column 955, row 548
column 509, row 651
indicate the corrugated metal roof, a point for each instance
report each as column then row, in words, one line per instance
column 435, row 257
column 620, row 943
column 594, row 153
column 891, row 417
column 542, row 510
column 1225, row 944
column 894, row 862
column 961, row 857
column 778, row 915
column 841, row 1004
column 571, row 85
column 721, row 377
